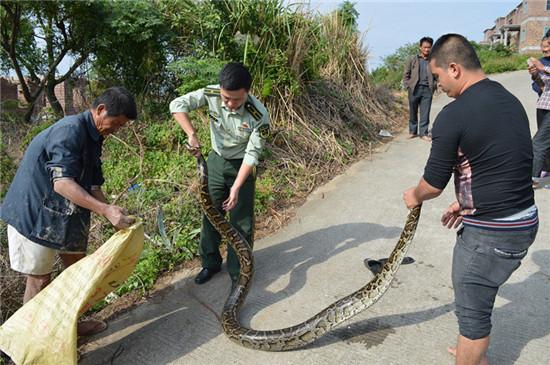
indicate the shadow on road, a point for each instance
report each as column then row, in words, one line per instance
column 526, row 317
column 182, row 317
column 373, row 331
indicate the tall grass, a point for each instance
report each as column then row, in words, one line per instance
column 308, row 69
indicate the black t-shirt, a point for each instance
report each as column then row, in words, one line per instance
column 483, row 137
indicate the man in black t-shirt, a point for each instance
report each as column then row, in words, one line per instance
column 483, row 138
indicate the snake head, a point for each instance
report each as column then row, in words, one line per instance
column 195, row 151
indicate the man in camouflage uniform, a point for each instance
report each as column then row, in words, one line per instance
column 238, row 125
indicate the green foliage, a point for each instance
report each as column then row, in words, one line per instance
column 31, row 55
column 7, row 170
column 9, row 104
column 149, row 170
column 349, row 14
column 196, row 73
column 44, row 33
column 307, row 69
column 499, row 58
column 34, row 131
column 391, row 71
column 134, row 51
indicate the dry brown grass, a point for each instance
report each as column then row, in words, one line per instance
column 316, row 133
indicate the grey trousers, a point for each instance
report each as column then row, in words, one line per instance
column 420, row 98
column 541, row 143
column 482, row 261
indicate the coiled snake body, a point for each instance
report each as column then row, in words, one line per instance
column 308, row 331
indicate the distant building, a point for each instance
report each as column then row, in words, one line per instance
column 522, row 28
column 71, row 95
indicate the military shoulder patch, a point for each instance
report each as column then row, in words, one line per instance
column 211, row 92
column 251, row 108
column 264, row 131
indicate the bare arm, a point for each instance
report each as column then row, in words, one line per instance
column 185, row 123
column 451, row 218
column 70, row 190
column 98, row 194
column 422, row 192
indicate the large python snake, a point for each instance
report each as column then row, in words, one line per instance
column 308, row 331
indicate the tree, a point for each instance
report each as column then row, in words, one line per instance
column 349, row 14
column 391, row 71
column 36, row 36
column 136, row 50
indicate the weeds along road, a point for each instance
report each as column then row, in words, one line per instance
column 318, row 258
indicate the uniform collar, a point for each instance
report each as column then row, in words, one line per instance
column 239, row 111
column 92, row 129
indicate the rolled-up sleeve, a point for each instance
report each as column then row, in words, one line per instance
column 256, row 142
column 64, row 153
column 188, row 102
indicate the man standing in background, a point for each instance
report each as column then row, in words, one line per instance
column 421, row 84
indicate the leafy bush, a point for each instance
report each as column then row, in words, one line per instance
column 7, row 170
column 195, row 73
column 308, row 69
column 393, row 66
column 499, row 58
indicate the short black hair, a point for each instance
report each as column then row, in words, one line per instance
column 117, row 101
column 234, row 76
column 454, row 48
column 427, row 40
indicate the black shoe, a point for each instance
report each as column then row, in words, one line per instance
column 376, row 265
column 205, row 275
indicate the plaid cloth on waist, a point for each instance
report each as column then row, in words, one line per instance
column 544, row 99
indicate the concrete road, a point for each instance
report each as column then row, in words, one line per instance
column 318, row 258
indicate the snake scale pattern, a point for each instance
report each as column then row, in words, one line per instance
column 308, row 331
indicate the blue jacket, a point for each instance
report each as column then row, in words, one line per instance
column 71, row 147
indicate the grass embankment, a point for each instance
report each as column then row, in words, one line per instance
column 309, row 71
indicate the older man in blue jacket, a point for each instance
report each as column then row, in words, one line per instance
column 57, row 185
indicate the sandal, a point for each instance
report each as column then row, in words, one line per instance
column 376, row 265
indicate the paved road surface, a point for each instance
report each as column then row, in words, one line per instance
column 318, row 258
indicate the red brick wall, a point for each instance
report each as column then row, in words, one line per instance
column 71, row 95
column 8, row 90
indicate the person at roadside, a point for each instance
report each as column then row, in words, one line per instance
column 56, row 187
column 541, row 140
column 420, row 84
column 483, row 138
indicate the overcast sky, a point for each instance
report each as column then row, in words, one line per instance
column 391, row 24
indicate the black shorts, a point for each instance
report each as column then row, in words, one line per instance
column 482, row 261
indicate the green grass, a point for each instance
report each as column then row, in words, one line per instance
column 307, row 69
